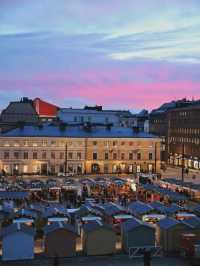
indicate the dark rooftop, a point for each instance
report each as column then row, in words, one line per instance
column 75, row 132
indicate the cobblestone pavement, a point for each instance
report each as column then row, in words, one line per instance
column 99, row 261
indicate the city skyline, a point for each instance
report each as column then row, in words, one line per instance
column 126, row 55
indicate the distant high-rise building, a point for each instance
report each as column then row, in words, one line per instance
column 178, row 124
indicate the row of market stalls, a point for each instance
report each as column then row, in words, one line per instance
column 139, row 226
column 154, row 192
column 188, row 188
column 60, row 239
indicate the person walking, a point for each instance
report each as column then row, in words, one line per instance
column 56, row 261
column 147, row 258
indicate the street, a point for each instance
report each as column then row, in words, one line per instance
column 175, row 172
column 118, row 260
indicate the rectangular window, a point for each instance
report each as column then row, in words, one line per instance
column 61, row 155
column 25, row 168
column 106, row 156
column 53, row 155
column 25, row 155
column 130, row 156
column 44, row 143
column 53, row 143
column 94, row 143
column 79, row 155
column 35, row 155
column 70, row 155
column 44, row 155
column 6, row 155
column 16, row 155
column 150, row 156
column 114, row 143
column 95, row 156
column 114, row 156
column 106, row 169
column 122, row 156
column 139, row 156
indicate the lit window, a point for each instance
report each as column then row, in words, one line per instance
column 70, row 155
column 106, row 156
column 150, row 156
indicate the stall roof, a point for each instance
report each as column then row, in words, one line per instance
column 193, row 222
column 158, row 206
column 139, row 207
column 95, row 225
column 165, row 192
column 27, row 213
column 173, row 208
column 174, row 181
column 13, row 195
column 59, row 225
column 111, row 208
column 133, row 223
column 16, row 227
column 76, row 132
column 167, row 223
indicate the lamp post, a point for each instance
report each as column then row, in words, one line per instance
column 155, row 157
column 66, row 158
column 183, row 162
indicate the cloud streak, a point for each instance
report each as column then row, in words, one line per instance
column 127, row 54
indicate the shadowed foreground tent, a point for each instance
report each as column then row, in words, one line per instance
column 136, row 233
column 98, row 238
column 169, row 233
column 60, row 240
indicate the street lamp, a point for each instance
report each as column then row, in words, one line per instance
column 183, row 162
column 66, row 158
column 155, row 157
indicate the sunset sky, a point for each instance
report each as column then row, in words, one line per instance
column 128, row 54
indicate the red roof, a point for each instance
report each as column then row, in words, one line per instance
column 44, row 108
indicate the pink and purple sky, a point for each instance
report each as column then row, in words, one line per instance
column 126, row 54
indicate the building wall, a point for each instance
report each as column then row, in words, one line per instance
column 158, row 125
column 79, row 155
column 184, row 137
column 92, row 116
column 18, row 246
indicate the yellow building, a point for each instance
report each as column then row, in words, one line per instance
column 51, row 150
